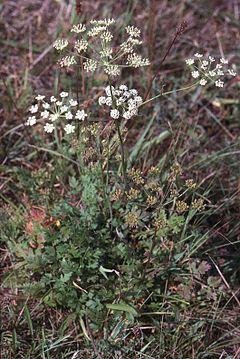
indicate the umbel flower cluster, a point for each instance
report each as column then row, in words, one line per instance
column 54, row 110
column 96, row 46
column 123, row 103
column 209, row 70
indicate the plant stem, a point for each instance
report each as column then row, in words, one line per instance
column 122, row 154
column 154, row 242
column 169, row 92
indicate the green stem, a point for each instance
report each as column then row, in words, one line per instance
column 122, row 154
column 169, row 92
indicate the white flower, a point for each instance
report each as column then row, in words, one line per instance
column 135, row 60
column 63, row 108
column 223, row 61
column 39, row 97
column 106, row 36
column 33, row 109
column 132, row 104
column 205, row 62
column 114, row 114
column 133, row 92
column 63, row 94
column 105, row 22
column 211, row 59
column 69, row 115
column 123, row 88
column 96, row 30
column 109, row 101
column 138, row 100
column 127, row 115
column 31, row 121
column 117, row 92
column 198, row 55
column 80, row 115
column 112, row 70
column 102, row 100
column 189, row 61
column 231, row 72
column 127, row 46
column 81, row 45
column 59, row 103
column 106, row 52
column 46, row 105
column 133, row 31
column 73, row 103
column 67, row 61
column 90, row 65
column 219, row 83
column 49, row 128
column 53, row 99
column 69, row 128
column 53, row 117
column 212, row 73
column 60, row 44
column 120, row 101
column 219, row 66
column 109, row 90
column 195, row 74
column 220, row 73
column 45, row 114
column 203, row 82
column 78, row 28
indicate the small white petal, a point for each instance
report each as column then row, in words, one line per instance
column 109, row 101
column 231, row 72
column 223, row 61
column 219, row 83
column 69, row 115
column 69, row 128
column 63, row 108
column 102, row 100
column 109, row 90
column 53, row 117
column 203, row 82
column 33, row 109
column 31, row 121
column 53, row 99
column 73, row 102
column 198, row 55
column 49, row 128
column 63, row 94
column 39, row 97
column 195, row 74
column 114, row 114
column 46, row 105
column 80, row 115
column 45, row 114
column 189, row 61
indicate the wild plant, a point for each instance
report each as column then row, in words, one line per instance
column 122, row 233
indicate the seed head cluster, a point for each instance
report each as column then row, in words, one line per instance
column 95, row 44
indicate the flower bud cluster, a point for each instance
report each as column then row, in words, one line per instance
column 123, row 102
